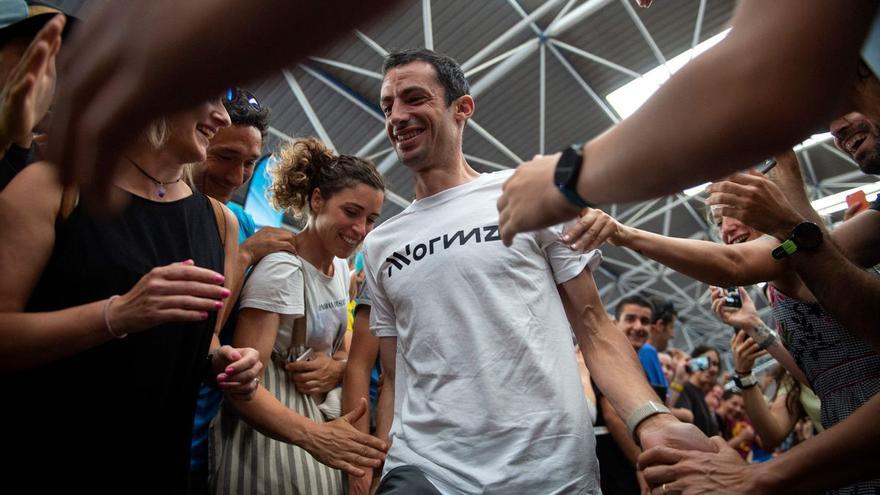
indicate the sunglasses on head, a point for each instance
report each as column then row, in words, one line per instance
column 236, row 94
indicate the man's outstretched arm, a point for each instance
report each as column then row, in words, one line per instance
column 616, row 369
column 784, row 70
column 125, row 65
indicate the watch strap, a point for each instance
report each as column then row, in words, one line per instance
column 573, row 197
column 642, row 413
column 744, row 382
column 787, row 248
column 568, row 186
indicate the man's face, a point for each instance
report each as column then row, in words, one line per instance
column 859, row 137
column 635, row 323
column 232, row 154
column 420, row 125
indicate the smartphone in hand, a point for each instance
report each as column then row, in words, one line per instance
column 858, row 198
column 698, row 364
column 766, row 165
column 305, row 356
column 732, row 298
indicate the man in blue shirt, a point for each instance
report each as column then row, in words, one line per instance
column 232, row 156
column 662, row 331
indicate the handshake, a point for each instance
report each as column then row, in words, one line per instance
column 679, row 459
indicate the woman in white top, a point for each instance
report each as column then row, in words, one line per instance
column 293, row 309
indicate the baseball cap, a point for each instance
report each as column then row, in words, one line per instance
column 23, row 19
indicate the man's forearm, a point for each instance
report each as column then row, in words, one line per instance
column 776, row 74
column 850, row 294
column 356, row 385
column 608, row 354
column 618, row 431
column 842, row 455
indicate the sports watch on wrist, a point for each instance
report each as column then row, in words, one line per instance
column 744, row 382
column 805, row 236
column 568, row 169
column 642, row 413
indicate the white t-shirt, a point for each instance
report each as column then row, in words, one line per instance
column 488, row 398
column 276, row 285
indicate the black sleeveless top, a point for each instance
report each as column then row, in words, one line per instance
column 118, row 416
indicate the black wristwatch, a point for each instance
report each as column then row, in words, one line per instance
column 805, row 236
column 568, row 169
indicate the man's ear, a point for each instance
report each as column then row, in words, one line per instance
column 464, row 107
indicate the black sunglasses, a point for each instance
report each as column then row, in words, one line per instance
column 234, row 94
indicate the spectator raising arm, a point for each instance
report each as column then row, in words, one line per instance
column 785, row 69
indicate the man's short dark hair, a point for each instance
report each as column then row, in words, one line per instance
column 449, row 73
column 636, row 299
column 243, row 114
column 664, row 311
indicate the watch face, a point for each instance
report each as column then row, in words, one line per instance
column 807, row 235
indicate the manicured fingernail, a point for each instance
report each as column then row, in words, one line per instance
column 230, row 370
column 565, row 238
column 188, row 262
column 218, row 304
column 225, row 292
column 574, row 246
column 221, row 377
column 219, row 279
column 204, row 315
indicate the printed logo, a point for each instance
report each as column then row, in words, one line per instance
column 410, row 254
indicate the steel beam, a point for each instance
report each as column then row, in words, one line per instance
column 698, row 26
column 494, row 142
column 348, row 67
column 642, row 29
column 307, row 108
column 426, row 24
column 612, row 115
column 376, row 47
column 507, row 36
column 595, row 58
column 345, row 92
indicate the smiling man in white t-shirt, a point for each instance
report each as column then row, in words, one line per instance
column 487, row 398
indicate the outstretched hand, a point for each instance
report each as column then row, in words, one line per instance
column 664, row 429
column 594, row 228
column 530, row 200
column 340, row 445
column 675, row 471
column 756, row 201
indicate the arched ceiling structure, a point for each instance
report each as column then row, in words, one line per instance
column 540, row 72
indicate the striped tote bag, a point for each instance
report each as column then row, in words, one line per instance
column 246, row 462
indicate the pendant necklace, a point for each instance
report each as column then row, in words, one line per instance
column 160, row 186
